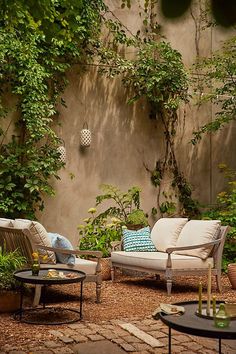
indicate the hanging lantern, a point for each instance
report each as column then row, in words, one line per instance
column 62, row 151
column 85, row 136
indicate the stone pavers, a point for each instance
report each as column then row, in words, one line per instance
column 136, row 336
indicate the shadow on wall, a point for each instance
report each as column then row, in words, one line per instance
column 123, row 136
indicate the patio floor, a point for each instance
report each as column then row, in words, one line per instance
column 127, row 301
column 109, row 338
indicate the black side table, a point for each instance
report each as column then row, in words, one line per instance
column 190, row 323
column 57, row 315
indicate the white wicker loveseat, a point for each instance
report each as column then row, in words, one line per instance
column 182, row 248
column 29, row 236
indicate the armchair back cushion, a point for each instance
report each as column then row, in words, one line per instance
column 39, row 237
column 166, row 231
column 6, row 222
column 197, row 232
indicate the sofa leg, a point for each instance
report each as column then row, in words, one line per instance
column 37, row 295
column 169, row 286
column 98, row 290
column 112, row 273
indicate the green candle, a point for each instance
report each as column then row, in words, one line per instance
column 200, row 299
column 214, row 305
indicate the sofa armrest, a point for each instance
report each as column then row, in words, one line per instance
column 208, row 244
column 97, row 254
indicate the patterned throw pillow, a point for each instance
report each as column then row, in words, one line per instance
column 138, row 240
column 59, row 241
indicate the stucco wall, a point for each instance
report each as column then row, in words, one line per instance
column 124, row 139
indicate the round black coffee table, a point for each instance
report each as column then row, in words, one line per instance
column 49, row 315
column 190, row 323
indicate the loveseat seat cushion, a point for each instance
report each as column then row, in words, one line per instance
column 39, row 237
column 197, row 232
column 84, row 265
column 166, row 231
column 158, row 260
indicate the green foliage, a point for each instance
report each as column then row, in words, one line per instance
column 39, row 41
column 225, row 211
column 137, row 217
column 158, row 75
column 124, row 202
column 101, row 230
column 9, row 263
column 98, row 233
column 219, row 77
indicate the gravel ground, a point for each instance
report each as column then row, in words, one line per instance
column 127, row 297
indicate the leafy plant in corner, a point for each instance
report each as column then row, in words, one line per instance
column 218, row 76
column 225, row 210
column 9, row 263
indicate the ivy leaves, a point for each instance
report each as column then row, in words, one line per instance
column 39, row 41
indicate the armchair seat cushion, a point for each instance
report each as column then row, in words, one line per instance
column 84, row 265
column 158, row 260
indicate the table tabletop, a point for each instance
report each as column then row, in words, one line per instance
column 190, row 323
column 25, row 276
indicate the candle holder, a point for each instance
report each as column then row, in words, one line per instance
column 204, row 314
column 211, row 316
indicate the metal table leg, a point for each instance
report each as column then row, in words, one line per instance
column 169, row 341
column 21, row 299
column 81, row 299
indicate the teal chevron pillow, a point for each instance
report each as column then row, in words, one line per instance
column 138, row 240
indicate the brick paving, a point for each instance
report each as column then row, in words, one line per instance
column 68, row 339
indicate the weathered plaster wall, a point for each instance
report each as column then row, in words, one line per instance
column 124, row 139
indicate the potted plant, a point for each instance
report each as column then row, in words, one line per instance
column 97, row 234
column 136, row 220
column 9, row 286
column 126, row 205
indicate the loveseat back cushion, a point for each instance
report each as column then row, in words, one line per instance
column 6, row 222
column 138, row 240
column 39, row 237
column 166, row 231
column 197, row 232
column 59, row 241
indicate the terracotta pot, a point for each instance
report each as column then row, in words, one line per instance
column 232, row 274
column 9, row 301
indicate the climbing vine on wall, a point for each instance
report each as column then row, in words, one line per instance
column 158, row 75
column 39, row 40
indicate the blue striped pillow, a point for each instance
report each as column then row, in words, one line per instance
column 138, row 240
